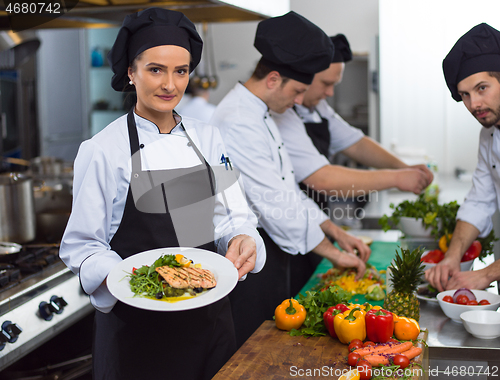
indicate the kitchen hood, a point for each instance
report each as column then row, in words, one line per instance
column 110, row 13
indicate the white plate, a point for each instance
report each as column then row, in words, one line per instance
column 425, row 298
column 224, row 271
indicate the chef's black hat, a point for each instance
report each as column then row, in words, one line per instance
column 146, row 29
column 293, row 46
column 342, row 49
column 476, row 51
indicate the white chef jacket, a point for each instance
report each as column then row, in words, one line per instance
column 305, row 157
column 483, row 198
column 101, row 182
column 255, row 147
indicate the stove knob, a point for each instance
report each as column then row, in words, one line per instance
column 58, row 303
column 46, row 310
column 4, row 338
column 12, row 330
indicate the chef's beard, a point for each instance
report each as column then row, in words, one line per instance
column 488, row 123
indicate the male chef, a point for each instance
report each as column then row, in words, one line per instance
column 313, row 132
column 293, row 49
column 472, row 73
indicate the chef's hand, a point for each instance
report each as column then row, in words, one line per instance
column 242, row 252
column 350, row 260
column 439, row 275
column 424, row 169
column 345, row 240
column 413, row 180
column 475, row 279
column 351, row 243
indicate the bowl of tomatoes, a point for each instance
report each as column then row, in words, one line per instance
column 431, row 258
column 455, row 302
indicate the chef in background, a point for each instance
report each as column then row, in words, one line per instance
column 293, row 227
column 196, row 103
column 472, row 73
column 150, row 180
column 313, row 132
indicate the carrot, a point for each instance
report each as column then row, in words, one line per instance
column 377, row 359
column 385, row 349
column 412, row 352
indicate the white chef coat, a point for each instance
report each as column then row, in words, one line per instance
column 483, row 198
column 255, row 147
column 102, row 171
column 196, row 107
column 305, row 157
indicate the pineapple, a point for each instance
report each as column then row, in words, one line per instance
column 407, row 271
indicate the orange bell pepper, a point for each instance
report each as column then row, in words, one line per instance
column 289, row 315
column 405, row 328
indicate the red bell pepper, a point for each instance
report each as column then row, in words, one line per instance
column 329, row 316
column 379, row 325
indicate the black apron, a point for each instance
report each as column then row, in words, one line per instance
column 320, row 136
column 131, row 343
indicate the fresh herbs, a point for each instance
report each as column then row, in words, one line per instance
column 316, row 303
column 144, row 281
column 441, row 219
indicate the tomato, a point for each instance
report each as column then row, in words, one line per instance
column 484, row 302
column 401, row 360
column 462, row 299
column 392, row 340
column 433, row 257
column 355, row 344
column 353, row 359
column 472, row 302
column 365, row 370
column 473, row 251
column 368, row 343
column 448, row 299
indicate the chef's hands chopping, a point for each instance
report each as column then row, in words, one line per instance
column 242, row 252
column 440, row 275
column 413, row 179
column 352, row 244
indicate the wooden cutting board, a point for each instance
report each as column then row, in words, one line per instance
column 273, row 354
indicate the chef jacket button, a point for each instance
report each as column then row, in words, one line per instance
column 494, row 166
column 136, row 175
column 189, row 143
column 283, row 178
column 292, row 171
column 492, row 134
column 141, row 146
column 279, row 147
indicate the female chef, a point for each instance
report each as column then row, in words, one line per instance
column 147, row 181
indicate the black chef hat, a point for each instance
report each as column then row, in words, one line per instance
column 342, row 49
column 476, row 51
column 146, row 29
column 293, row 46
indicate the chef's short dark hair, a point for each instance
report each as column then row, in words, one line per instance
column 261, row 71
column 495, row 74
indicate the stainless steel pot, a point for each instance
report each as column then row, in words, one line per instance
column 17, row 208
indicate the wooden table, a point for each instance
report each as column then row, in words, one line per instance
column 272, row 354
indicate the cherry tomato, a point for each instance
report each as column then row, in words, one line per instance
column 448, row 299
column 392, row 340
column 364, row 369
column 355, row 344
column 353, row 359
column 368, row 343
column 401, row 360
column 472, row 302
column 473, row 251
column 462, row 299
column 484, row 302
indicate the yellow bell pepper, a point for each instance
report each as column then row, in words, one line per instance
column 444, row 241
column 365, row 307
column 289, row 315
column 405, row 328
column 350, row 325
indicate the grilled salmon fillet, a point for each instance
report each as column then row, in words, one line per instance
column 182, row 278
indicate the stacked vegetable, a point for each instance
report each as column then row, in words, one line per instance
column 353, row 323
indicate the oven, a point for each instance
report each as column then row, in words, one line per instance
column 39, row 299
